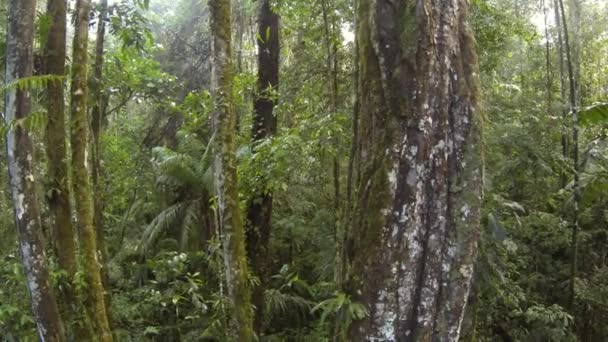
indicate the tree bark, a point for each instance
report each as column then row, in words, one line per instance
column 259, row 213
column 562, row 81
column 95, row 299
column 96, row 124
column 415, row 226
column 225, row 170
column 576, row 187
column 58, row 194
column 97, row 119
column 17, row 106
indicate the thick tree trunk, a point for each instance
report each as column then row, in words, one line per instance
column 225, row 170
column 19, row 64
column 95, row 299
column 415, row 226
column 259, row 213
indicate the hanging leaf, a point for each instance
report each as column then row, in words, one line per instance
column 596, row 113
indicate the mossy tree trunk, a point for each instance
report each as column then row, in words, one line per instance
column 97, row 119
column 95, row 301
column 415, row 226
column 58, row 194
column 259, row 214
column 232, row 227
column 17, row 106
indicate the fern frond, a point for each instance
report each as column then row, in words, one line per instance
column 279, row 303
column 176, row 168
column 33, row 82
column 34, row 122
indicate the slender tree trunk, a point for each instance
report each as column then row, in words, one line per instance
column 577, row 191
column 562, row 80
column 574, row 19
column 259, row 213
column 97, row 118
column 59, row 193
column 96, row 125
column 548, row 71
column 17, row 105
column 352, row 178
column 332, row 70
column 225, row 169
column 416, row 220
column 331, row 48
column 95, row 299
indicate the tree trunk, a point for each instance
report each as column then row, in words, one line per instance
column 59, row 193
column 562, row 81
column 96, row 124
column 19, row 64
column 97, row 118
column 95, row 301
column 259, row 213
column 576, row 186
column 415, row 226
column 574, row 24
column 225, row 170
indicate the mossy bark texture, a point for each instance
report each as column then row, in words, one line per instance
column 17, row 106
column 225, row 169
column 90, row 255
column 58, row 194
column 418, row 170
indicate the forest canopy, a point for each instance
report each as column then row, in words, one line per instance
column 304, row 170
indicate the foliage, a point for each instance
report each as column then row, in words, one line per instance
column 166, row 273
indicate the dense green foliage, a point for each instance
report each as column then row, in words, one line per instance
column 165, row 266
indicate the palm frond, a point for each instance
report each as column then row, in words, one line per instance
column 190, row 221
column 161, row 223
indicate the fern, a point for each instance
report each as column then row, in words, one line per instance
column 344, row 309
column 34, row 122
column 278, row 303
column 33, row 82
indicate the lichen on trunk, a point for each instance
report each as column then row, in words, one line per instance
column 20, row 150
column 420, row 173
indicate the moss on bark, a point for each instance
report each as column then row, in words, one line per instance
column 231, row 220
column 91, row 266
